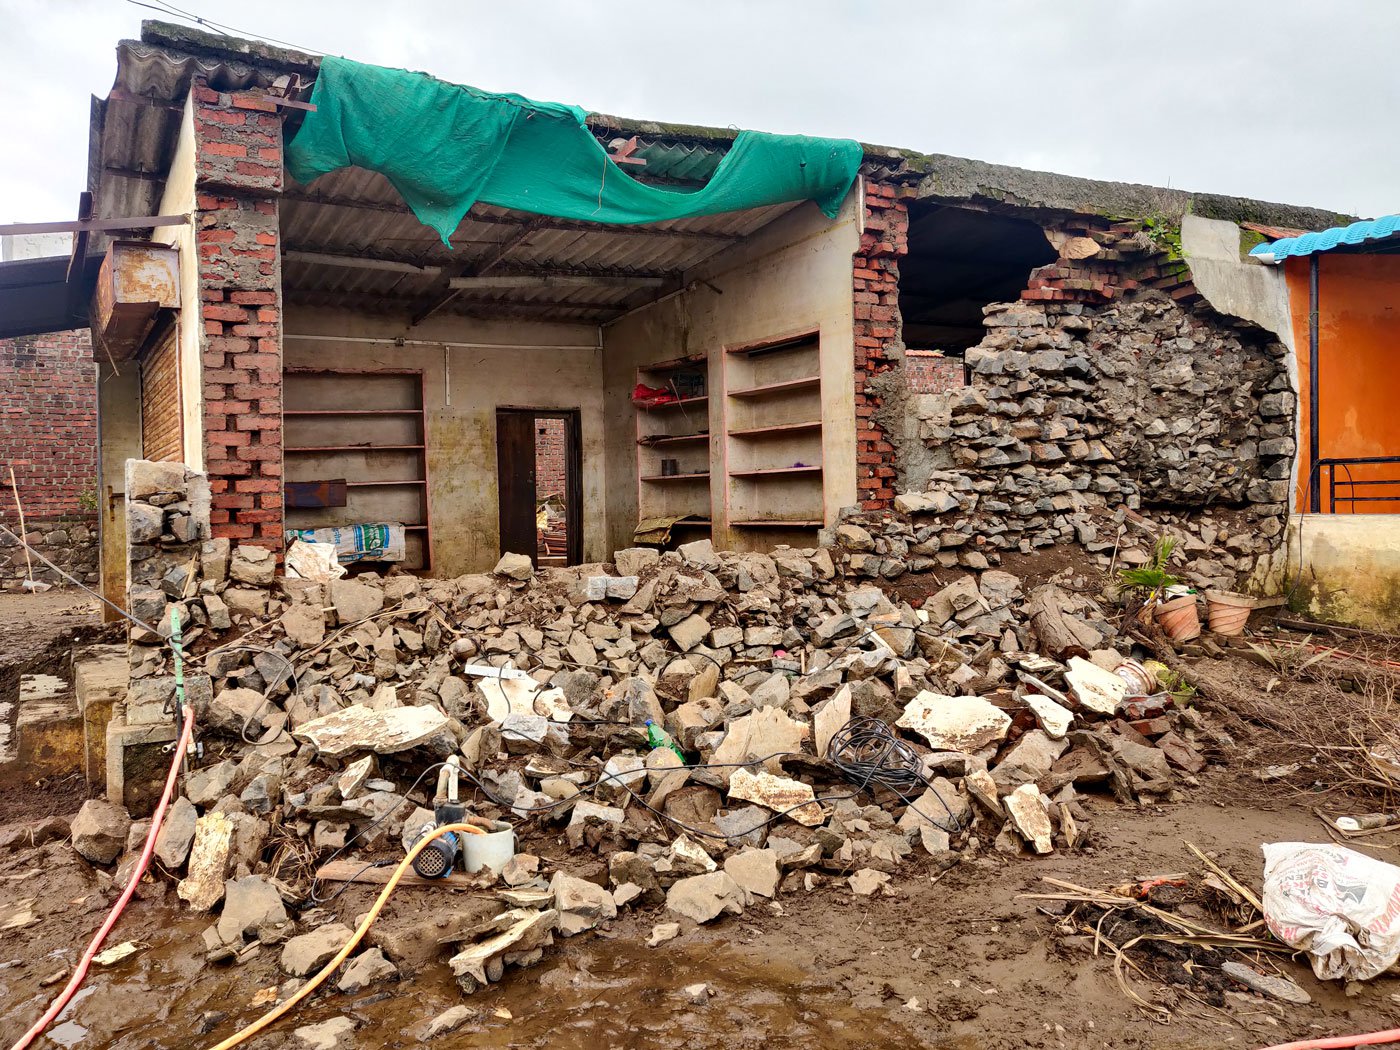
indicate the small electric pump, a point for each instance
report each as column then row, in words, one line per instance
column 439, row 857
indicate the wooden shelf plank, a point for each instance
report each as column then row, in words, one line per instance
column 352, row 412
column 667, row 439
column 702, row 399
column 355, row 448
column 676, row 477
column 810, row 523
column 768, row 389
column 382, row 484
column 768, row 472
column 676, row 363
column 780, row 428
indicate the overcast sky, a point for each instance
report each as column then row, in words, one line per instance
column 1285, row 100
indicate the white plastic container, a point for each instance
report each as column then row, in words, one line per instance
column 492, row 850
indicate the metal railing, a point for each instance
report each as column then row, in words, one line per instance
column 1338, row 475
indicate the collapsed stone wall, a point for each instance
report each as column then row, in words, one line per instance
column 70, row 543
column 1076, row 409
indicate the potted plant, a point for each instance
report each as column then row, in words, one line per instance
column 1175, row 612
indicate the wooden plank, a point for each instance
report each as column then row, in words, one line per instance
column 778, row 388
column 355, row 871
column 162, row 434
column 139, row 222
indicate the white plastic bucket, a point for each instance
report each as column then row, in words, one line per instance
column 492, row 850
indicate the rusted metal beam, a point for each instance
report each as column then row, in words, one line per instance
column 78, row 257
column 139, row 222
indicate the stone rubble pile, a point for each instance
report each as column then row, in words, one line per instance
column 542, row 684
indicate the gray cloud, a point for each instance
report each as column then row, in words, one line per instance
column 1275, row 99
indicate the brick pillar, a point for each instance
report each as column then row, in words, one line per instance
column 877, row 339
column 238, row 166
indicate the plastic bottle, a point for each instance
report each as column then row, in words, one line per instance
column 658, row 737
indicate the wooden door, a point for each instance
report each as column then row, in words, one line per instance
column 515, row 480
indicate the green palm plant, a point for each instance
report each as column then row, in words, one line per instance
column 1153, row 577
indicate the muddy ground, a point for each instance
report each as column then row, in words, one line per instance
column 957, row 962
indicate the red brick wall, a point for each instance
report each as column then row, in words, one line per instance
column 929, row 372
column 876, row 296
column 549, row 456
column 238, row 158
column 48, row 425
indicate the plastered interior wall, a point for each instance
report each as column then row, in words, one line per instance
column 178, row 198
column 1358, row 323
column 792, row 275
column 463, row 387
column 1345, row 568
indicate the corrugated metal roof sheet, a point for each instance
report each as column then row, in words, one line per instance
column 1326, row 240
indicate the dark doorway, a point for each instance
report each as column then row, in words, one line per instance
column 539, row 472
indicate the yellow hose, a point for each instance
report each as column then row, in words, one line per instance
column 344, row 953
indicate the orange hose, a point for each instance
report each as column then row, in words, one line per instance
column 344, row 953
column 1342, row 1042
column 80, row 972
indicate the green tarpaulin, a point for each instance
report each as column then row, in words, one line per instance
column 445, row 147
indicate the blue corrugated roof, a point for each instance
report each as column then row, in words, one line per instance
column 1326, row 240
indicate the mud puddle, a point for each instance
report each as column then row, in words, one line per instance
column 598, row 995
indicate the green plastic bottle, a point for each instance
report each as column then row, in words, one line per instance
column 658, row 737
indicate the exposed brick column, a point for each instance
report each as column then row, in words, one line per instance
column 876, row 299
column 238, row 158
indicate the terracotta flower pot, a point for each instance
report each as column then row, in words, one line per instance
column 1228, row 612
column 1179, row 618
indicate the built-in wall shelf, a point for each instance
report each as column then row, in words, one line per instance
column 782, row 387
column 652, row 440
column 773, row 434
column 676, row 477
column 673, row 444
column 768, row 472
column 781, row 428
column 369, row 430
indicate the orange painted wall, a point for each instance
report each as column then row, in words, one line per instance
column 1359, row 365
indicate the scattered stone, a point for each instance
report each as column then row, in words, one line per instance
column 1026, row 809
column 1280, row 988
column 755, row 871
column 309, row 952
column 99, row 831
column 328, row 1035
column 367, row 968
column 1053, row 718
column 448, row 1021
column 704, row 898
column 515, row 566
column 663, row 932
column 955, row 723
column 790, row 798
column 360, row 728
column 581, row 904
column 867, row 881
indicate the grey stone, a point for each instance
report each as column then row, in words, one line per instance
column 328, row 1035
column 99, row 831
column 355, row 601
column 145, row 478
column 250, row 904
column 309, row 952
column 176, row 834
column 632, row 560
column 367, row 968
column 256, row 566
column 144, row 523
column 581, row 904
column 515, row 566
column 703, row 898
column 755, row 871
column 690, row 632
column 448, row 1021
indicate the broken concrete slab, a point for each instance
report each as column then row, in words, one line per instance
column 1053, row 718
column 359, row 728
column 790, row 798
column 955, row 723
column 1026, row 809
column 1093, row 688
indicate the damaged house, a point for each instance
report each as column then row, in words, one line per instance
column 755, row 333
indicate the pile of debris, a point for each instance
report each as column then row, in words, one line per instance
column 814, row 729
